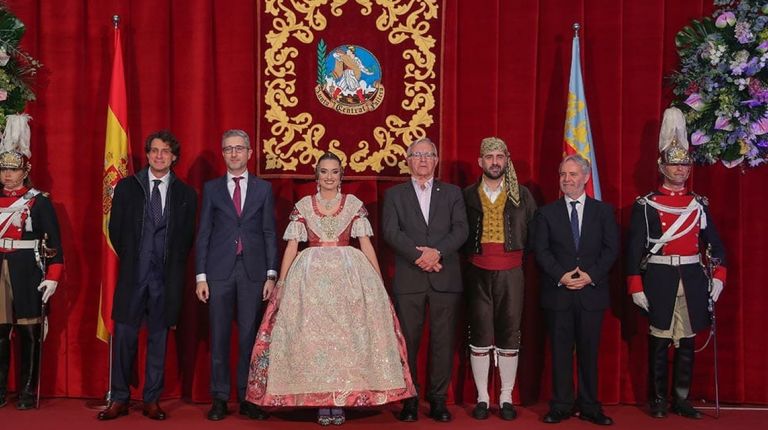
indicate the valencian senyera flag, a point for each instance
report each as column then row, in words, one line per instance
column 117, row 165
column 359, row 79
column 578, row 135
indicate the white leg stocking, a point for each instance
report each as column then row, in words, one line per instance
column 507, row 360
column 480, row 360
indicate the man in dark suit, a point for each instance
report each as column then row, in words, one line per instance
column 576, row 241
column 151, row 227
column 425, row 223
column 236, row 253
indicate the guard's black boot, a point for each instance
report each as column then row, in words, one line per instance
column 658, row 350
column 30, row 365
column 683, row 373
column 5, row 360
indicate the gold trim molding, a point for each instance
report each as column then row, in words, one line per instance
column 294, row 138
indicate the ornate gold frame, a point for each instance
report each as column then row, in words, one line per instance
column 294, row 139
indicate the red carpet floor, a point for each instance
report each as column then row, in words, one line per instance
column 73, row 414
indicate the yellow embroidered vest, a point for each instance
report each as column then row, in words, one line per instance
column 493, row 217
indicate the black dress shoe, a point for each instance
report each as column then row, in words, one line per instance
column 507, row 412
column 218, row 410
column 598, row 418
column 684, row 409
column 25, row 401
column 439, row 412
column 554, row 416
column 410, row 412
column 658, row 409
column 481, row 411
column 252, row 411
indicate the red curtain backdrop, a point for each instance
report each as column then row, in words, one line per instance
column 191, row 66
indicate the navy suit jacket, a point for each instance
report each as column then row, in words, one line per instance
column 220, row 227
column 556, row 253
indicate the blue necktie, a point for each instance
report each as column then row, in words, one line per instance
column 575, row 223
column 155, row 203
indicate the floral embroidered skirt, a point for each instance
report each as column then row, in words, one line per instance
column 330, row 337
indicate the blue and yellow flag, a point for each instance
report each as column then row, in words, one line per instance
column 578, row 135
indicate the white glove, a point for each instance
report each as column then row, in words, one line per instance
column 640, row 300
column 717, row 288
column 48, row 288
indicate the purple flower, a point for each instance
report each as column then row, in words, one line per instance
column 743, row 33
column 699, row 138
column 763, row 46
column 763, row 143
column 725, row 19
column 695, row 102
column 760, row 126
column 722, row 123
column 752, row 67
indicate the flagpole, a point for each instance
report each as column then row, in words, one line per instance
column 108, row 396
column 576, row 27
column 106, row 401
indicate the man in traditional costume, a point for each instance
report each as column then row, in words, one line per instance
column 498, row 212
column 671, row 232
column 30, row 257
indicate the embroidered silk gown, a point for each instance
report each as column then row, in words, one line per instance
column 330, row 337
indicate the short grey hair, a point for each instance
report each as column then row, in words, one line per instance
column 578, row 159
column 236, row 133
column 409, row 151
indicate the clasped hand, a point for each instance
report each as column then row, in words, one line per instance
column 576, row 279
column 429, row 260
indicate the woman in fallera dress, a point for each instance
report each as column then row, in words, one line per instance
column 329, row 338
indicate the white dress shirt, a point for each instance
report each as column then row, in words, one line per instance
column 579, row 207
column 424, row 194
column 163, row 186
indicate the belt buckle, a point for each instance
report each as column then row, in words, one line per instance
column 674, row 260
column 5, row 243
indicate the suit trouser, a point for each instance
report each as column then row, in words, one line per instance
column 443, row 317
column 148, row 304
column 579, row 327
column 241, row 292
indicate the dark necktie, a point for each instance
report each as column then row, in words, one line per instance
column 237, row 200
column 236, row 196
column 575, row 223
column 156, row 202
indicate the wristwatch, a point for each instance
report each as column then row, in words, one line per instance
column 271, row 277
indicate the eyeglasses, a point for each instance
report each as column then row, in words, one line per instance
column 423, row 155
column 239, row 149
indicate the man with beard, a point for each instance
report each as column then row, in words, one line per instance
column 670, row 230
column 498, row 212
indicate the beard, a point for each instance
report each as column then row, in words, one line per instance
column 490, row 174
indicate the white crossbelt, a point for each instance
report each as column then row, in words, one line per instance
column 675, row 260
column 19, row 244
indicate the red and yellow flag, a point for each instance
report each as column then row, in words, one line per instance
column 117, row 165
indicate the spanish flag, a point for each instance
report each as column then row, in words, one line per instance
column 117, row 165
column 578, row 135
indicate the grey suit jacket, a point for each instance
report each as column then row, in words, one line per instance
column 404, row 229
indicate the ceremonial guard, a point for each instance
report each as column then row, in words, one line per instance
column 671, row 233
column 32, row 262
column 498, row 212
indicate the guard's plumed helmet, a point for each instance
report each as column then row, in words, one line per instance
column 673, row 139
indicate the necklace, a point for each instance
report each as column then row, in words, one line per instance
column 330, row 203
